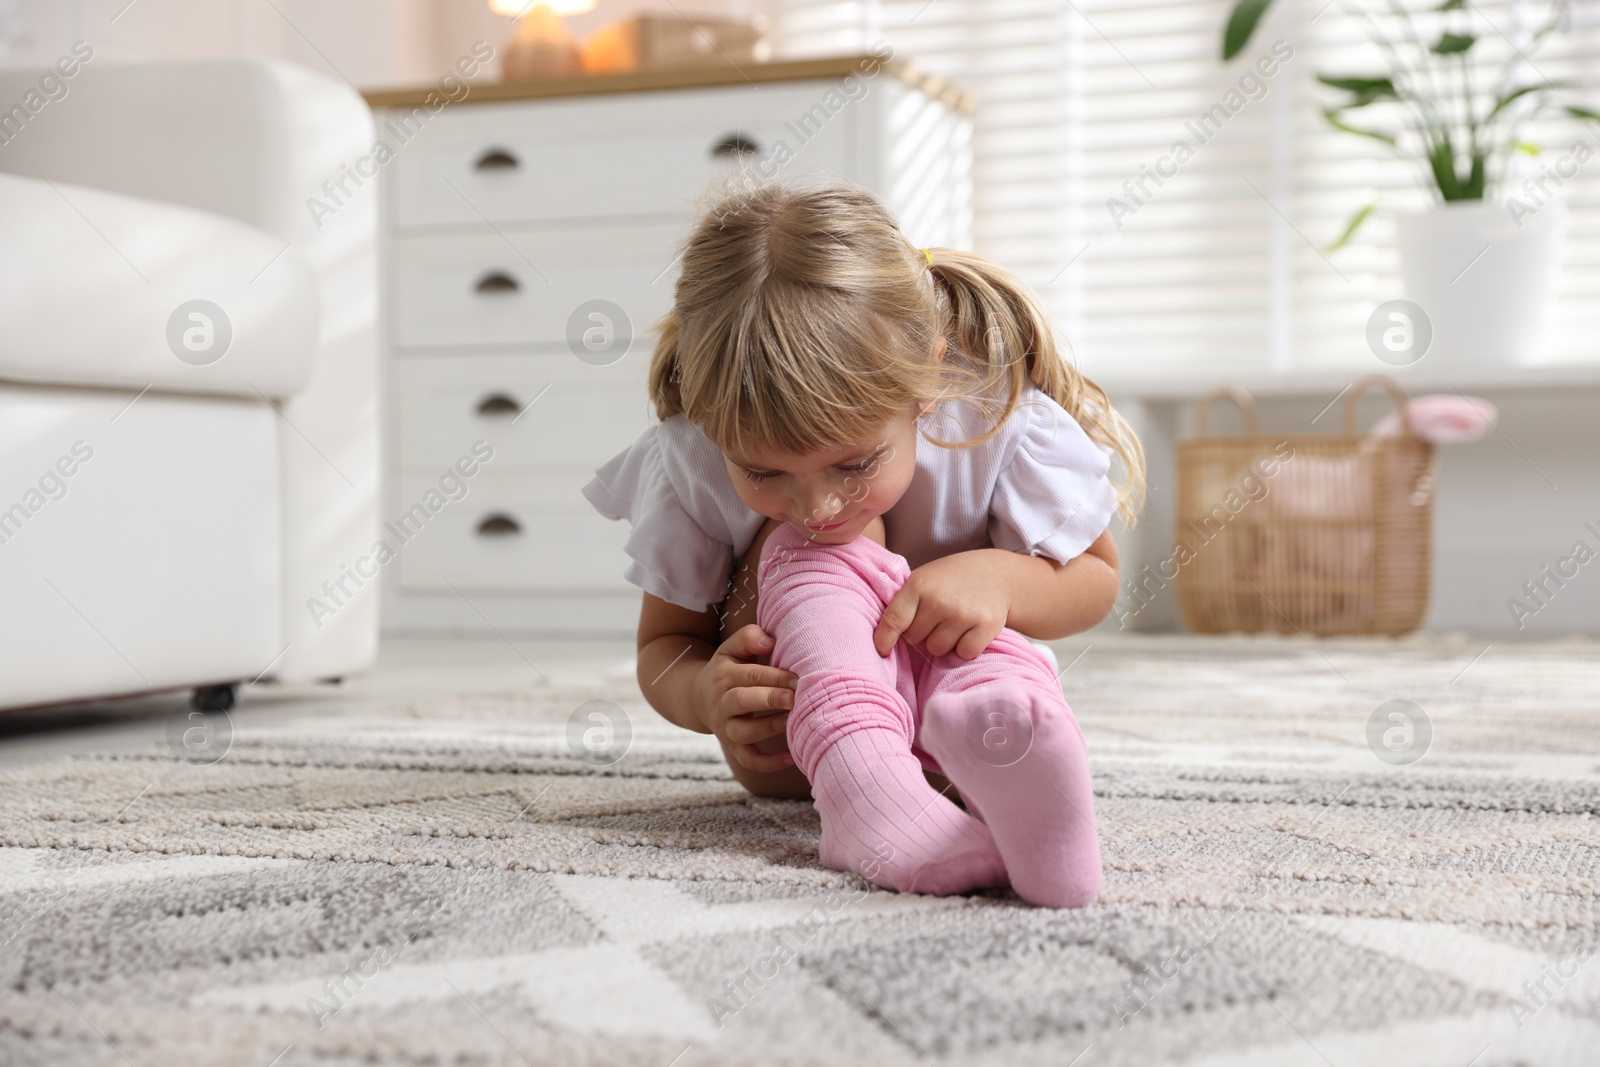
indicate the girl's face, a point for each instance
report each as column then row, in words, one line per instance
column 830, row 496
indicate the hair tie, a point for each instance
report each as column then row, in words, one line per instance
column 928, row 253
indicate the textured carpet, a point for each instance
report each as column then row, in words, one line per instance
column 483, row 881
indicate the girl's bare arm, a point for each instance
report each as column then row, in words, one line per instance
column 1050, row 600
column 723, row 689
column 674, row 644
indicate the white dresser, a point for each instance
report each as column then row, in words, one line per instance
column 528, row 230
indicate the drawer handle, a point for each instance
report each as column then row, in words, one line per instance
column 496, row 159
column 735, row 144
column 497, row 281
column 496, row 404
column 499, row 525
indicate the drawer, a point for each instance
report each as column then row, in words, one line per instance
column 628, row 154
column 582, row 415
column 523, row 287
column 510, row 533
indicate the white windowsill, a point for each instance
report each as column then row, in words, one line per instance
column 1416, row 380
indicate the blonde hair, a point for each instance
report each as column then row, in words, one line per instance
column 804, row 320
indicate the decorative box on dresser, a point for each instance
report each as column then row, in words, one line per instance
column 530, row 232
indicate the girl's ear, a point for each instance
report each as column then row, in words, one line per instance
column 938, row 350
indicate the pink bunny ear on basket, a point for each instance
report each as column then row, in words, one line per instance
column 1443, row 419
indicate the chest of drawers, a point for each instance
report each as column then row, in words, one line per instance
column 529, row 233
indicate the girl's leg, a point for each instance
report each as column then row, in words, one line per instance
column 739, row 609
column 1001, row 730
column 852, row 726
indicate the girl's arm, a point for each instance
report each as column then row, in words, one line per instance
column 1051, row 600
column 960, row 602
column 716, row 689
column 674, row 644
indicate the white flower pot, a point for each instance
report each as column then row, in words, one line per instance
column 1484, row 281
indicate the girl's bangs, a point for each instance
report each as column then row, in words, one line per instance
column 809, row 381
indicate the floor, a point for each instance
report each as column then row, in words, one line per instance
column 406, row 667
column 429, row 667
column 1276, row 890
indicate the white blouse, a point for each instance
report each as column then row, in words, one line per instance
column 1038, row 486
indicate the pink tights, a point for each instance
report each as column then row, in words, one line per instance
column 997, row 726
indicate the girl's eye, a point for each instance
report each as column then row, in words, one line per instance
column 854, row 468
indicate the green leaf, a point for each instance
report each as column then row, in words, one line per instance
column 1512, row 97
column 1583, row 113
column 1450, row 44
column 1526, row 148
column 1551, row 24
column 1451, row 5
column 1352, row 226
column 1339, row 124
column 1365, row 90
column 1241, row 24
column 1442, row 161
column 1473, row 190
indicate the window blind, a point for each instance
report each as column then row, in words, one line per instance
column 1011, row 55
column 1336, row 173
column 1175, row 211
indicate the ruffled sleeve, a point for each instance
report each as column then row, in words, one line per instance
column 1053, row 497
column 673, row 556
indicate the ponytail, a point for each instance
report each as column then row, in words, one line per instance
column 993, row 319
column 663, row 376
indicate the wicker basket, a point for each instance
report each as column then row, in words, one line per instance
column 1322, row 534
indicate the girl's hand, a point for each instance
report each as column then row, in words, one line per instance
column 959, row 602
column 732, row 690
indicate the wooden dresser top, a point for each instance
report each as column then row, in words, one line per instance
column 827, row 67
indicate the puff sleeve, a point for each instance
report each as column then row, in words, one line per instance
column 673, row 556
column 1052, row 497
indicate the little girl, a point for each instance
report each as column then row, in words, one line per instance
column 886, row 578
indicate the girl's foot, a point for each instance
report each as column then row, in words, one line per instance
column 1019, row 758
column 882, row 820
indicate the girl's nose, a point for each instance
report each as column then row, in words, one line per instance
column 820, row 508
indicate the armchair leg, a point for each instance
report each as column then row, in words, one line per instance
column 213, row 697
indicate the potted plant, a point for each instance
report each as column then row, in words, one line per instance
column 1478, row 265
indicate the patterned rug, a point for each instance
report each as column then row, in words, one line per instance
column 554, row 875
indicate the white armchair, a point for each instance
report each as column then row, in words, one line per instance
column 185, row 487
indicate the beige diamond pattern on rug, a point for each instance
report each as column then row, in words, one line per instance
column 445, row 881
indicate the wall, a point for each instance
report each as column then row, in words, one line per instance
column 370, row 43
column 1508, row 506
